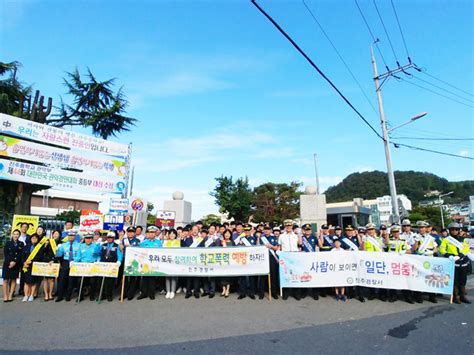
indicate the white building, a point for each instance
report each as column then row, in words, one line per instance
column 383, row 205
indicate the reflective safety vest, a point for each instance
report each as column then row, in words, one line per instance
column 449, row 248
column 370, row 247
column 397, row 245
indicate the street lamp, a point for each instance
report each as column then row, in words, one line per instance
column 413, row 119
column 441, row 206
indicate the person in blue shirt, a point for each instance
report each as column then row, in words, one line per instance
column 309, row 242
column 110, row 253
column 148, row 286
column 70, row 251
column 247, row 283
column 90, row 253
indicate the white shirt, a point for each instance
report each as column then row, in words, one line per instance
column 22, row 238
column 288, row 242
column 141, row 237
column 335, row 249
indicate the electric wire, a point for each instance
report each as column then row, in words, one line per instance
column 339, row 55
column 401, row 32
column 437, row 139
column 376, row 40
column 441, row 88
column 443, row 81
column 386, row 33
column 396, row 145
column 434, row 92
column 308, row 59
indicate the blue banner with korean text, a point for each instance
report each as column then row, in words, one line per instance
column 360, row 268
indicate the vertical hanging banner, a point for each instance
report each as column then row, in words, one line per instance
column 380, row 270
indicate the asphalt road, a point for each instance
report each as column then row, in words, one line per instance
column 230, row 326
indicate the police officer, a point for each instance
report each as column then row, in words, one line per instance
column 69, row 251
column 407, row 234
column 309, row 244
column 247, row 283
column 110, row 253
column 90, row 253
column 425, row 245
column 373, row 243
column 457, row 249
column 131, row 282
column 395, row 244
column 148, row 286
column 269, row 240
column 352, row 242
column 325, row 240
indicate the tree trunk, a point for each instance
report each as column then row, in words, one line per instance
column 23, row 198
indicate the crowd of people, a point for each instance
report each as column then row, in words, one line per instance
column 68, row 246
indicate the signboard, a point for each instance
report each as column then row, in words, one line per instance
column 165, row 218
column 137, row 204
column 58, row 178
column 233, row 261
column 19, row 127
column 45, row 269
column 118, row 205
column 113, row 222
column 60, row 157
column 94, row 269
column 32, row 222
column 358, row 268
column 91, row 222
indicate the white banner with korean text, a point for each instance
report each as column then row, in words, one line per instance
column 359, row 268
column 231, row 261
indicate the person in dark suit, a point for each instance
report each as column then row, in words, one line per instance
column 13, row 252
column 31, row 282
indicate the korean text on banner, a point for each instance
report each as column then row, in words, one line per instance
column 196, row 261
column 380, row 270
column 32, row 222
column 94, row 269
column 45, row 269
column 51, row 135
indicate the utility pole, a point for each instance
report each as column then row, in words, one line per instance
column 383, row 123
column 316, row 172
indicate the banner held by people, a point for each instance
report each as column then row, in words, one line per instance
column 45, row 269
column 379, row 270
column 94, row 269
column 236, row 261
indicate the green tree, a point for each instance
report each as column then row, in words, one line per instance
column 233, row 197
column 431, row 214
column 210, row 219
column 276, row 202
column 151, row 218
column 72, row 215
column 94, row 105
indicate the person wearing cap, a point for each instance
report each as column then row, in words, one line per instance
column 289, row 242
column 425, row 245
column 373, row 243
column 148, row 285
column 407, row 234
column 131, row 282
column 338, row 232
column 247, row 284
column 351, row 241
column 397, row 245
column 325, row 240
column 269, row 240
column 110, row 253
column 69, row 251
column 90, row 253
column 456, row 248
column 309, row 244
column 383, row 233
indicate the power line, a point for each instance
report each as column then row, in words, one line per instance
column 339, row 55
column 442, row 81
column 397, row 145
column 401, row 32
column 308, row 59
column 441, row 88
column 435, row 92
column 437, row 139
column 386, row 32
column 376, row 40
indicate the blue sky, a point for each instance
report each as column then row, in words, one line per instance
column 218, row 91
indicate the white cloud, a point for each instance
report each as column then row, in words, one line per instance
column 464, row 153
column 363, row 168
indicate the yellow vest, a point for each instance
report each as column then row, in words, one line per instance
column 448, row 248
